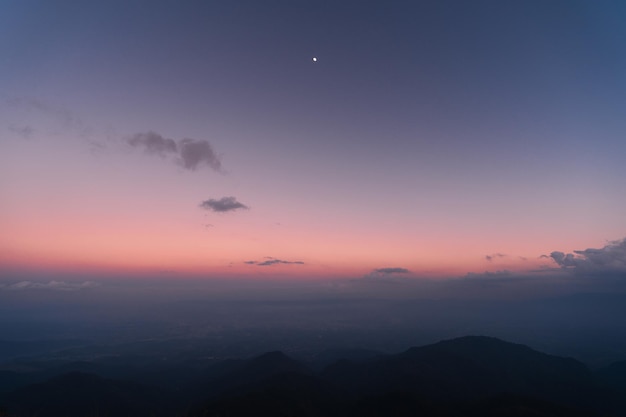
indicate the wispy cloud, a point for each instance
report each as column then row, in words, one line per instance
column 30, row 118
column 269, row 261
column 24, row 132
column 494, row 256
column 189, row 153
column 53, row 111
column 153, row 143
column 223, row 205
column 51, row 285
column 609, row 259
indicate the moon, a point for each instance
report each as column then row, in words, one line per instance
column 314, row 59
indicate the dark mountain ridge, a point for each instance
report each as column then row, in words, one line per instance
column 468, row 367
column 468, row 376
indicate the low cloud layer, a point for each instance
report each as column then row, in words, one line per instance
column 388, row 274
column 191, row 154
column 51, row 285
column 392, row 271
column 494, row 256
column 504, row 273
column 223, row 205
column 609, row 259
column 273, row 261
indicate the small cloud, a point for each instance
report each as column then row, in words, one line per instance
column 51, row 285
column 493, row 256
column 153, row 143
column 190, row 153
column 273, row 261
column 387, row 274
column 279, row 261
column 223, row 205
column 392, row 271
column 197, row 152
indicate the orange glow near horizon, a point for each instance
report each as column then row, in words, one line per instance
column 118, row 231
column 143, row 255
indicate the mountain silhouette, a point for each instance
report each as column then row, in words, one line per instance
column 465, row 377
column 328, row 357
column 613, row 375
column 468, row 367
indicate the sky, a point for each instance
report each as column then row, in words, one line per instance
column 428, row 139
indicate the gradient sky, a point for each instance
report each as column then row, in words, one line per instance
column 430, row 138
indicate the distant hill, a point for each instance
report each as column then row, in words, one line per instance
column 328, row 357
column 12, row 349
column 236, row 375
column 613, row 375
column 465, row 377
column 612, row 380
column 468, row 367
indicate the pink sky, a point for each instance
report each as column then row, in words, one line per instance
column 346, row 165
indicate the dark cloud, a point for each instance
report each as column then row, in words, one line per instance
column 223, row 205
column 273, row 261
column 198, row 152
column 494, row 255
column 190, row 153
column 611, row 258
column 392, row 271
column 153, row 143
